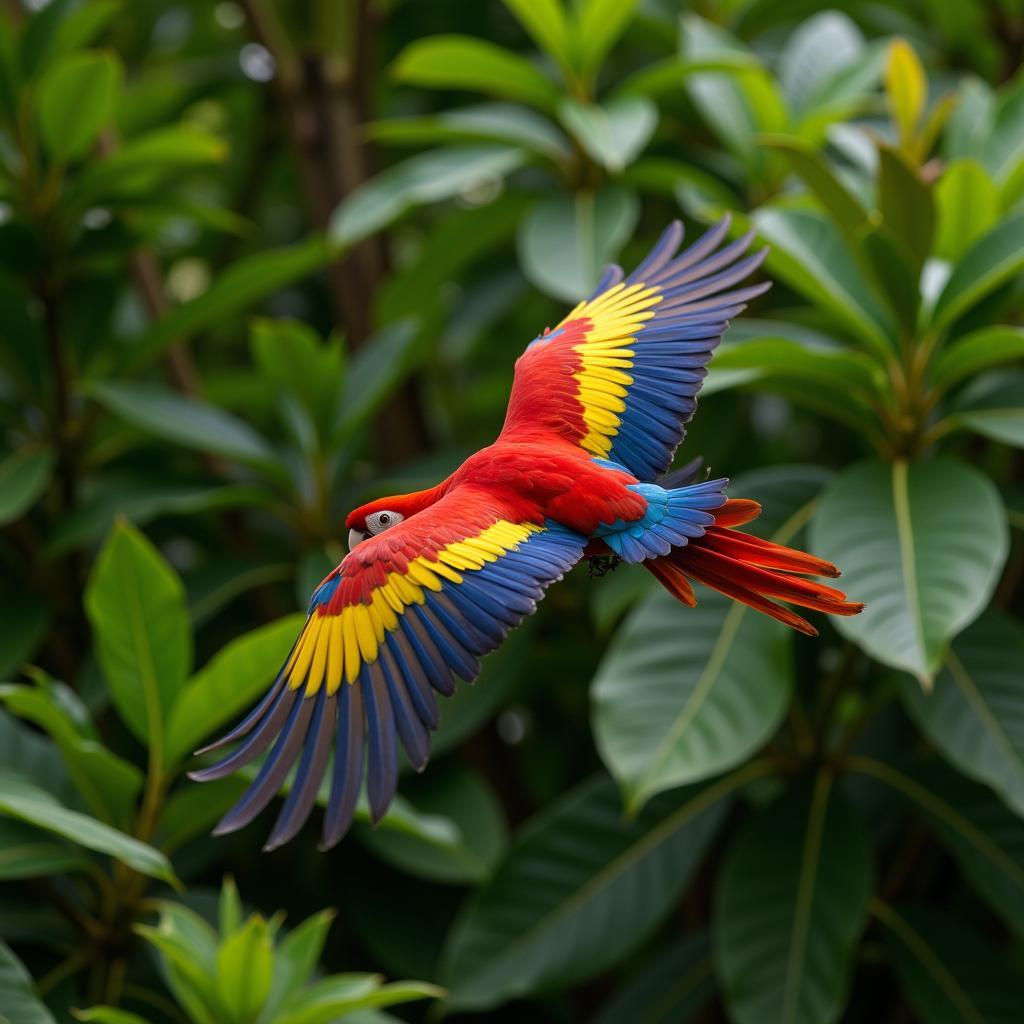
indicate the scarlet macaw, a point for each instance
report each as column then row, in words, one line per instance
column 436, row 579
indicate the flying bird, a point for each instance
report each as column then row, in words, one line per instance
column 434, row 580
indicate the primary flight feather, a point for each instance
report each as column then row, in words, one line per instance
column 436, row 579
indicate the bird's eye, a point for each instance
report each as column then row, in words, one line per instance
column 377, row 522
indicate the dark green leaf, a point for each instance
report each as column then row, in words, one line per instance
column 976, row 351
column 894, row 274
column 791, row 901
column 136, row 605
column 993, row 406
column 904, row 536
column 23, row 478
column 19, row 1003
column 557, row 912
column 908, row 209
column 27, row 852
column 76, row 99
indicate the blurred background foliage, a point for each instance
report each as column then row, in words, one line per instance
column 261, row 261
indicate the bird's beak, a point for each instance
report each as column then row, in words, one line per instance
column 355, row 537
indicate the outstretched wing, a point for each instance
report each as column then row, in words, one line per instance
column 620, row 374
column 385, row 632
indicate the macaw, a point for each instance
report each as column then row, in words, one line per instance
column 434, row 580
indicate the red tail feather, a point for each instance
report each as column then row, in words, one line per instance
column 751, row 570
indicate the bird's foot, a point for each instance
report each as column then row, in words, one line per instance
column 600, row 565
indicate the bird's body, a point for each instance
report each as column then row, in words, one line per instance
column 435, row 579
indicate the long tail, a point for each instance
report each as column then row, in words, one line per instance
column 751, row 570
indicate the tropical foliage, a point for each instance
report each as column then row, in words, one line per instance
column 261, row 261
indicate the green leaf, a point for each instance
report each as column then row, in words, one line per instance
column 427, row 178
column 599, row 24
column 75, row 100
column 230, row 916
column 810, row 166
column 62, row 28
column 342, row 994
column 19, row 1003
column 247, row 281
column 811, row 257
column 161, row 412
column 233, row 679
column 894, row 274
column 26, row 802
column 613, row 134
column 984, row 836
column 994, row 259
column 564, row 243
column 245, row 964
column 467, row 802
column 483, row 122
column 297, row 958
column 136, row 604
column 968, row 207
column 25, row 752
column 921, row 545
column 108, row 783
column 24, row 476
column 108, row 1015
column 993, row 406
column 907, row 88
column 818, row 49
column 975, row 717
column 906, row 203
column 547, row 24
column 949, row 973
column 462, row 62
column 685, row 694
column 791, row 901
column 672, row 987
column 544, row 920
column 27, row 852
column 978, row 350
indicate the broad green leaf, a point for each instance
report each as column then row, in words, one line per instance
column 671, row 987
column 975, row 717
column 968, row 206
column 791, row 901
column 163, row 413
column 906, row 203
column 558, row 912
column 246, row 282
column 599, row 24
column 75, row 100
column 342, row 994
column 810, row 256
column 613, row 134
column 35, row 757
column 467, row 802
column 19, row 1003
column 23, row 477
column 375, row 371
column 245, row 964
column 27, row 852
column 949, row 973
column 235, row 677
column 817, row 50
column 685, row 694
column 108, row 783
column 984, row 836
column 136, row 604
column 921, row 545
column 427, row 178
column 907, row 88
column 810, row 166
column 564, row 243
column 26, row 802
column 483, row 122
column 993, row 406
column 546, row 22
column 976, row 351
column 994, row 259
column 462, row 62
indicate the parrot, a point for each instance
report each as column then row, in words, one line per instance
column 436, row 579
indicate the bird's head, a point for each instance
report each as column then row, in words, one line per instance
column 375, row 517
